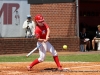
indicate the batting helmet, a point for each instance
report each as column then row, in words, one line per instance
column 39, row 18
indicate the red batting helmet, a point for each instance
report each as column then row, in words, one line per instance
column 39, row 18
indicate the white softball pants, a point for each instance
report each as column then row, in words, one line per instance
column 43, row 48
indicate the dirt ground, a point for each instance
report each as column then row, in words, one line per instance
column 49, row 68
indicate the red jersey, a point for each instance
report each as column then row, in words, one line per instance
column 41, row 31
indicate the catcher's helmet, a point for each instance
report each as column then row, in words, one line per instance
column 39, row 18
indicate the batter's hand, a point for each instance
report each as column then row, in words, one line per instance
column 45, row 41
column 47, row 38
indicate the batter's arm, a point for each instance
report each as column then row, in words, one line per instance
column 41, row 40
column 48, row 34
column 38, row 39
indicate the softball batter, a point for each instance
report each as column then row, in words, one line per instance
column 42, row 33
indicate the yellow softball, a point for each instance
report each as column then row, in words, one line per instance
column 64, row 47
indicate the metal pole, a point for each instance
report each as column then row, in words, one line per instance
column 77, row 17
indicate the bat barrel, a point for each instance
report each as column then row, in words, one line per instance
column 32, row 51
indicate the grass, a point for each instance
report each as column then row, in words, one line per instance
column 64, row 58
column 82, row 58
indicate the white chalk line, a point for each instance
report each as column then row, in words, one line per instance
column 82, row 67
column 45, row 62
